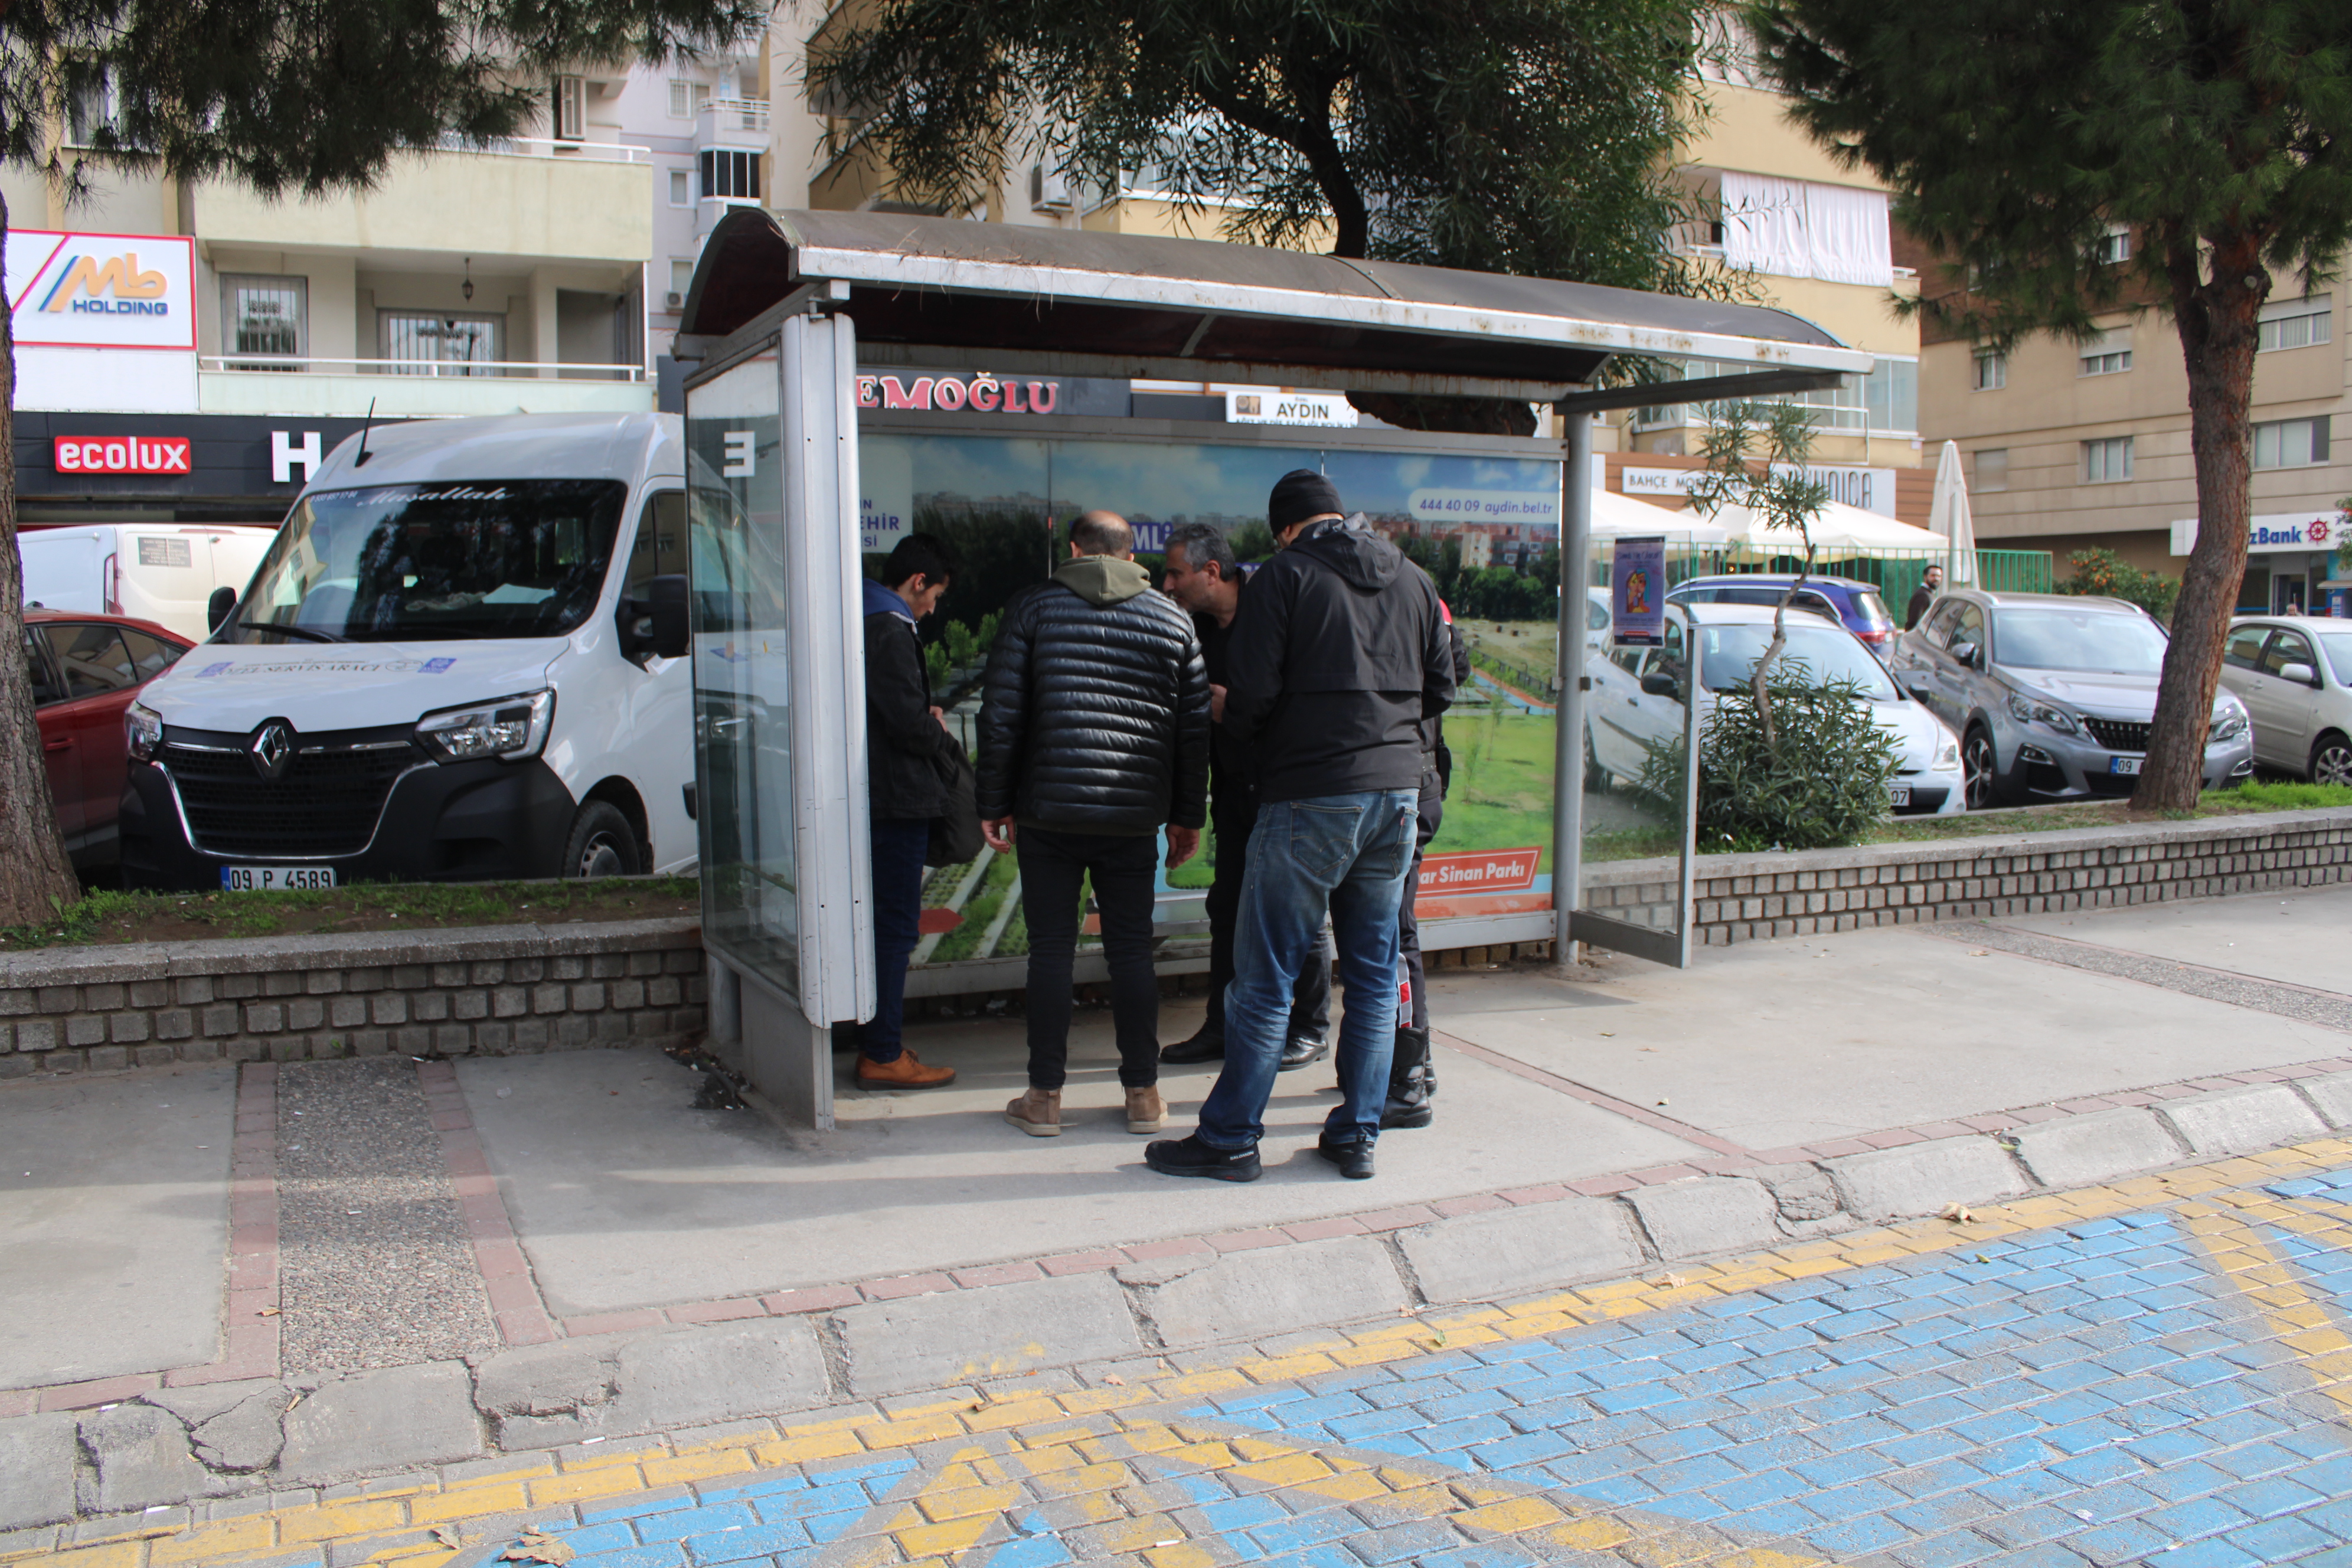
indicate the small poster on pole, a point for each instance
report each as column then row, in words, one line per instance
column 1637, row 593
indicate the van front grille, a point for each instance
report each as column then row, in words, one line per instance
column 327, row 803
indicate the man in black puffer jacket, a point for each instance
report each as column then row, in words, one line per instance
column 1095, row 732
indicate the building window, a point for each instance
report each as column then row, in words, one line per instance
column 2109, row 353
column 681, row 279
column 2107, row 460
column 732, row 176
column 1993, row 371
column 681, row 188
column 2292, row 324
column 687, row 98
column 1992, row 469
column 571, row 109
column 441, row 342
column 92, row 106
column 2291, row 443
column 2114, row 246
column 264, row 316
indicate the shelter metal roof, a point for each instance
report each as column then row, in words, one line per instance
column 945, row 292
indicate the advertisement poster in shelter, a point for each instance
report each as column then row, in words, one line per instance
column 1487, row 529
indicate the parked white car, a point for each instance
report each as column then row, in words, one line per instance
column 159, row 572
column 1634, row 700
column 462, row 658
column 2294, row 673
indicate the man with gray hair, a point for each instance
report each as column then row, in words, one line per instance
column 1203, row 577
column 1094, row 733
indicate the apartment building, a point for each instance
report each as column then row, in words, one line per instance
column 243, row 337
column 2082, row 445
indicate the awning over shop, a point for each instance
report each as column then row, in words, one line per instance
column 943, row 292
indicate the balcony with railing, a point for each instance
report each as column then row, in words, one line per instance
column 732, row 122
column 323, row 387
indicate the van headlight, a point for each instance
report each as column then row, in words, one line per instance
column 142, row 731
column 506, row 728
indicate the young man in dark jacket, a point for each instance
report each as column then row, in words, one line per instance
column 905, row 736
column 1339, row 653
column 1094, row 733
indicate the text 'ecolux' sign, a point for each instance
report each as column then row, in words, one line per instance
column 102, row 290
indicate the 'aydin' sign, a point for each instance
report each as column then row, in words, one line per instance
column 102, row 290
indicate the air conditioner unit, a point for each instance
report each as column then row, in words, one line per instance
column 1049, row 190
column 674, row 300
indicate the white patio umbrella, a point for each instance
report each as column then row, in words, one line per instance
column 1950, row 517
column 1839, row 527
column 1615, row 515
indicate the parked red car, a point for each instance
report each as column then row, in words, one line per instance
column 86, row 670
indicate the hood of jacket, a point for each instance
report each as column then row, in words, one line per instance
column 1102, row 580
column 1350, row 547
column 881, row 601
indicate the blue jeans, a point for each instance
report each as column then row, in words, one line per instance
column 1348, row 854
column 898, row 844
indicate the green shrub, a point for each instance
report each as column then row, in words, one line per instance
column 2104, row 571
column 1821, row 783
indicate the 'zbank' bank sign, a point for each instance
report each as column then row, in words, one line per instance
column 102, row 290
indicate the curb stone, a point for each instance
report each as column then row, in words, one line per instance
column 2332, row 1093
column 1508, row 1252
column 1272, row 1290
column 393, row 1419
column 545, row 1397
column 952, row 1337
column 1919, row 1179
column 2241, row 1121
column 2085, row 1150
column 1698, row 1218
column 37, row 1470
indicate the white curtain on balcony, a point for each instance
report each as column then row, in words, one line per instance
column 1764, row 225
column 1795, row 229
column 1849, row 232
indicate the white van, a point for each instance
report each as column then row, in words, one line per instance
column 462, row 658
column 159, row 572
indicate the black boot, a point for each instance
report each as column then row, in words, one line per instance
column 1206, row 1045
column 1410, row 1083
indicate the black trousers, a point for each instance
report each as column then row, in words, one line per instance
column 1432, row 813
column 1311, row 999
column 1124, row 869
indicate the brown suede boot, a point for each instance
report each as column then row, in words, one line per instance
column 1038, row 1112
column 1145, row 1110
column 906, row 1072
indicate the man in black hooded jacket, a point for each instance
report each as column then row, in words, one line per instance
column 1339, row 653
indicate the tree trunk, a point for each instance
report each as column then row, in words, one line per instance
column 2217, row 323
column 36, row 879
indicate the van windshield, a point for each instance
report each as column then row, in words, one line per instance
column 427, row 563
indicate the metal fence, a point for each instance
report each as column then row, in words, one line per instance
column 1895, row 572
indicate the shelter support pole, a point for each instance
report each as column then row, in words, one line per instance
column 1568, row 744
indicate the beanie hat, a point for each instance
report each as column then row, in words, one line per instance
column 1298, row 495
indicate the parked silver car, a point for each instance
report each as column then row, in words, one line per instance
column 2294, row 675
column 2052, row 695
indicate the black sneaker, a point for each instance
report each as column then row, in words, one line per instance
column 1208, row 1046
column 1352, row 1155
column 1191, row 1157
column 1299, row 1051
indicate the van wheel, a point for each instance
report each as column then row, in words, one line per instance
column 2331, row 759
column 1596, row 777
column 602, row 844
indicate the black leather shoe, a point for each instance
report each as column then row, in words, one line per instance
column 1410, row 1082
column 1205, row 1047
column 1299, row 1051
column 1191, row 1157
column 1352, row 1155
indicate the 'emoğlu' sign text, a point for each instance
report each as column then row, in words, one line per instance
column 102, row 290
column 983, row 391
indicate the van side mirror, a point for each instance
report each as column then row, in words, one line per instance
column 219, row 608
column 669, row 599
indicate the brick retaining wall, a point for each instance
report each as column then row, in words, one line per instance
column 1740, row 898
column 482, row 990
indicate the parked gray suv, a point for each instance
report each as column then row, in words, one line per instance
column 2052, row 695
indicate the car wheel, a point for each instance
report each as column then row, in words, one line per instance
column 2331, row 761
column 1980, row 768
column 602, row 844
column 1596, row 777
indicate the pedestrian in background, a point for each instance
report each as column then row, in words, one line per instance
column 1093, row 734
column 905, row 736
column 1931, row 583
column 1339, row 654
column 1412, row 1079
column 1203, row 577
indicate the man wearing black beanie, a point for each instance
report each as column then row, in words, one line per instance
column 1339, row 653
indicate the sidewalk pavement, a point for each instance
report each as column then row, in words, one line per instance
column 263, row 1288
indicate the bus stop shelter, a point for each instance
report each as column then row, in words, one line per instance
column 853, row 376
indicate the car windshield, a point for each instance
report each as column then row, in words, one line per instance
column 1869, row 608
column 429, row 563
column 2338, row 646
column 2089, row 640
column 1728, row 656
